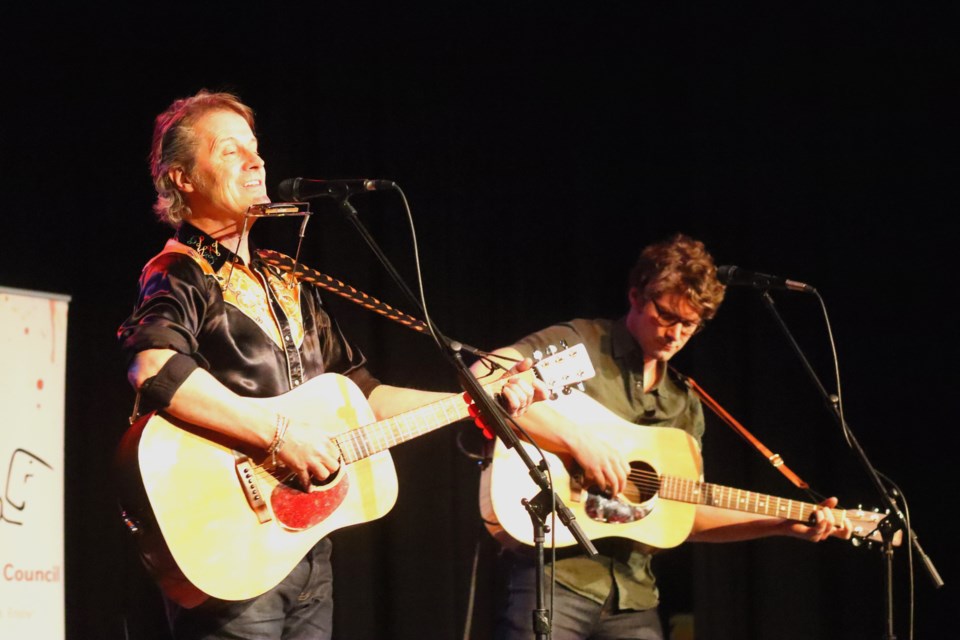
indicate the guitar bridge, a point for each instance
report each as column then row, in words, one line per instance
column 577, row 489
column 251, row 489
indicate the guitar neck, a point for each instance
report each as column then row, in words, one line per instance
column 714, row 495
column 367, row 440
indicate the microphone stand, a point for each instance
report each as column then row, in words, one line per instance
column 887, row 527
column 546, row 501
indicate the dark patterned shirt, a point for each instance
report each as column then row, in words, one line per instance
column 251, row 326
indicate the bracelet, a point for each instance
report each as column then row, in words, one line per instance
column 282, row 423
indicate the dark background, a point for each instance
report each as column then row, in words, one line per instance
column 540, row 146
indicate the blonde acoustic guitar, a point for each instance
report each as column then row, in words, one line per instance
column 659, row 505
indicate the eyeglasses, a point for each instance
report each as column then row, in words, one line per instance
column 667, row 319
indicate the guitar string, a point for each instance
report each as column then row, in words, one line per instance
column 647, row 481
column 652, row 483
column 358, row 440
column 644, row 480
column 381, row 433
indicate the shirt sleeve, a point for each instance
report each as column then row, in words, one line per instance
column 553, row 336
column 168, row 312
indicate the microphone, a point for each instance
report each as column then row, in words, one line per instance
column 737, row 277
column 295, row 189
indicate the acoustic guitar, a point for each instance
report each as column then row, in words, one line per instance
column 214, row 517
column 659, row 504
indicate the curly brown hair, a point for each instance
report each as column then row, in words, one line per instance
column 175, row 145
column 683, row 266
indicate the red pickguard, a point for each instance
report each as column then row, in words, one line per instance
column 299, row 510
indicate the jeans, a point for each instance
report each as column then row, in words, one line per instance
column 299, row 608
column 574, row 616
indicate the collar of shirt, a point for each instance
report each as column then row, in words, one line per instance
column 211, row 250
column 625, row 349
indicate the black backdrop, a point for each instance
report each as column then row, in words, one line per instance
column 540, row 147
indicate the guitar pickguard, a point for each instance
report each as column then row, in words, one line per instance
column 603, row 508
column 299, row 510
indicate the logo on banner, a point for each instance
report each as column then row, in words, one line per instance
column 24, row 465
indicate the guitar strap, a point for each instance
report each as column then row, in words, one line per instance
column 773, row 458
column 322, row 280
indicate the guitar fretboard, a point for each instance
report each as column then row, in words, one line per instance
column 695, row 492
column 564, row 368
column 365, row 441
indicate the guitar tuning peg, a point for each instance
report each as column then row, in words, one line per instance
column 537, row 355
column 551, row 349
column 563, row 344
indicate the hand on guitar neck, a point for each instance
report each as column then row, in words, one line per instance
column 713, row 524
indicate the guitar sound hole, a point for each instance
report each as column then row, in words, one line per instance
column 635, row 503
column 315, row 482
column 292, row 481
column 644, row 483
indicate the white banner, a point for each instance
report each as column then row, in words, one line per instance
column 33, row 335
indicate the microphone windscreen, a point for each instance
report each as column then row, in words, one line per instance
column 725, row 273
column 289, row 190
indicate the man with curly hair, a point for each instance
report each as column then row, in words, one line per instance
column 672, row 293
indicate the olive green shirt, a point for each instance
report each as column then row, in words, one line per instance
column 618, row 385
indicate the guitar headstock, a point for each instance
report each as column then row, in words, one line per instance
column 866, row 527
column 563, row 368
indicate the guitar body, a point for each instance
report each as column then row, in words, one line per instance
column 664, row 523
column 200, row 533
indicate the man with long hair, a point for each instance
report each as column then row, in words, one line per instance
column 215, row 328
